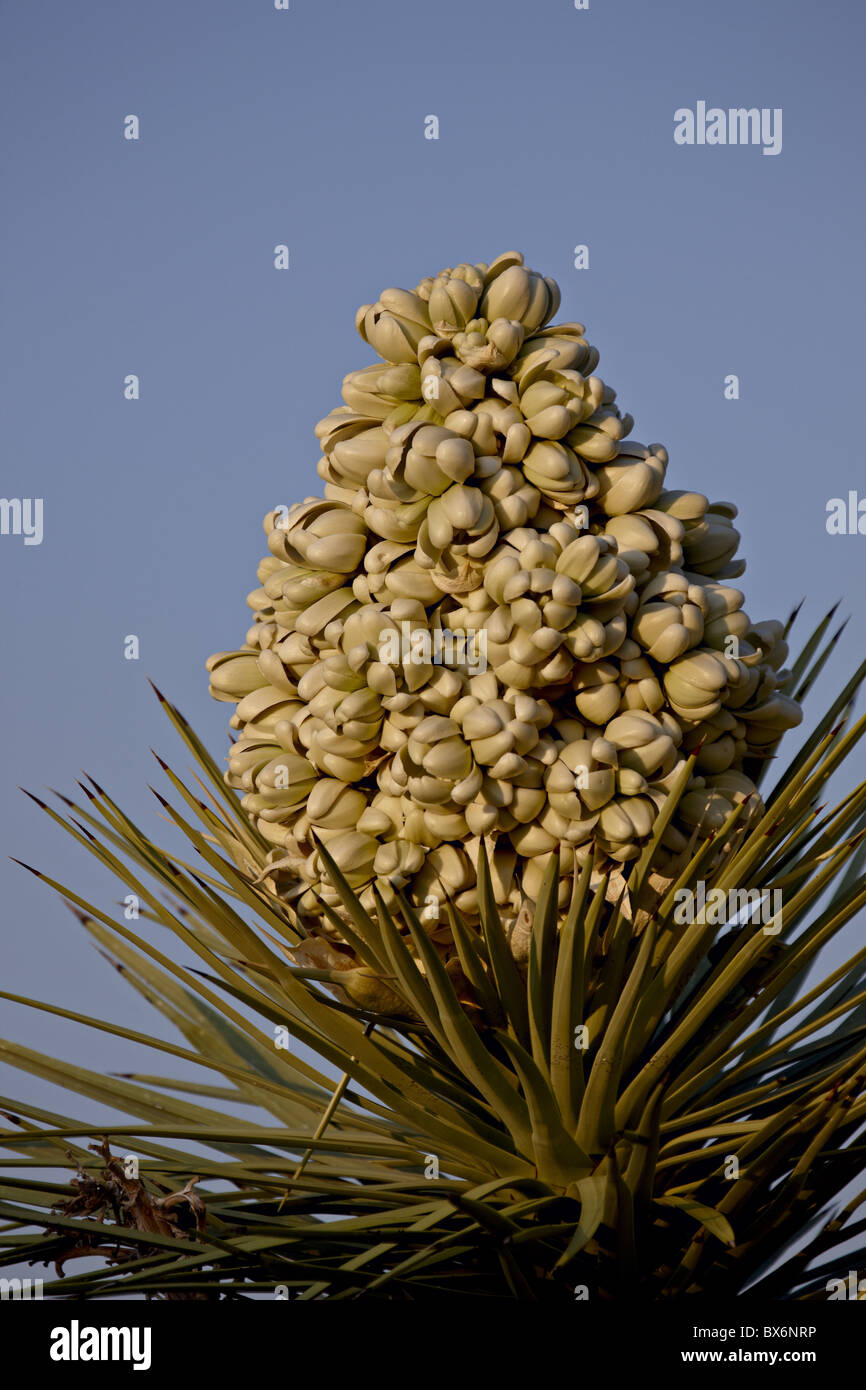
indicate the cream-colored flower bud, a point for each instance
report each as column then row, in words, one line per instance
column 633, row 479
column 234, row 675
column 598, row 693
column 558, row 473
column 398, row 860
column 694, row 684
column 710, row 544
column 333, row 805
column 353, row 854
column 642, row 742
column 353, row 459
column 670, row 618
column 452, row 304
column 395, row 325
column 518, row 293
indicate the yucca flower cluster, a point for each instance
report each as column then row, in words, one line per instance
column 479, row 485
